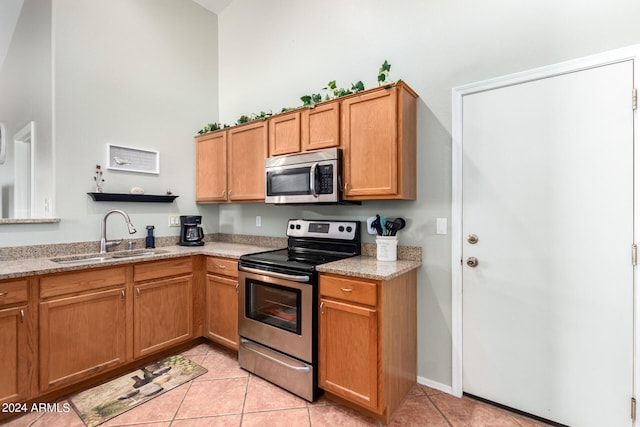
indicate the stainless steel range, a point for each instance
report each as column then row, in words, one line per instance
column 278, row 303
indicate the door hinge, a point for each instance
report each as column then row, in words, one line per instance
column 634, row 254
column 634, row 98
column 633, row 408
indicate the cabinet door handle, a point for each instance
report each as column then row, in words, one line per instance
column 22, row 316
column 223, row 193
column 346, row 186
column 122, row 292
column 229, row 193
column 346, row 289
column 237, row 284
column 322, row 307
column 138, row 292
column 2, row 294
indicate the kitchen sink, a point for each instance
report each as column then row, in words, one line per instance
column 135, row 253
column 77, row 259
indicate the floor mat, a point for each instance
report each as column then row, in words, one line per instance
column 108, row 400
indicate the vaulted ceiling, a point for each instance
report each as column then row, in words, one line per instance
column 10, row 12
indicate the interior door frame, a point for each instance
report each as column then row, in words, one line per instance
column 458, row 94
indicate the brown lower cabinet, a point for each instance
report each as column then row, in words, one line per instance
column 368, row 341
column 163, row 305
column 95, row 320
column 15, row 356
column 82, row 325
column 221, row 314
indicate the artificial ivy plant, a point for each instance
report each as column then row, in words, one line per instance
column 309, row 101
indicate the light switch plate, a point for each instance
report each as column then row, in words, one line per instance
column 258, row 221
column 174, row 220
column 441, row 225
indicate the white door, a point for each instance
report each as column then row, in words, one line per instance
column 547, row 188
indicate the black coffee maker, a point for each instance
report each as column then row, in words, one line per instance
column 191, row 233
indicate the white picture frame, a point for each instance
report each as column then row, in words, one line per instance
column 131, row 159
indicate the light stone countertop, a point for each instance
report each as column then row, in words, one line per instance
column 367, row 267
column 362, row 266
column 34, row 266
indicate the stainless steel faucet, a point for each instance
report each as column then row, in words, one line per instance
column 103, row 237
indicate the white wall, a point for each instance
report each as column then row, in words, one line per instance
column 140, row 73
column 271, row 53
column 25, row 94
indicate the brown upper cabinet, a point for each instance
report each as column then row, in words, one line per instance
column 379, row 144
column 211, row 167
column 230, row 164
column 376, row 129
column 305, row 130
column 284, row 134
column 321, row 126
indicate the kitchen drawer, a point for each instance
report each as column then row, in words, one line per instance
column 348, row 289
column 222, row 266
column 161, row 269
column 13, row 292
column 82, row 281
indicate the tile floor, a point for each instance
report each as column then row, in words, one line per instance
column 229, row 396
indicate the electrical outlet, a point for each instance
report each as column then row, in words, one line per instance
column 258, row 221
column 174, row 220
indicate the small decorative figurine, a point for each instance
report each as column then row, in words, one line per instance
column 98, row 179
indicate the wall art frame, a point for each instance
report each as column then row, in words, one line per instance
column 132, row 159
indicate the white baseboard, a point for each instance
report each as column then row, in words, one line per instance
column 436, row 385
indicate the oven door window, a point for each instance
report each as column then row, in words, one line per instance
column 289, row 182
column 275, row 305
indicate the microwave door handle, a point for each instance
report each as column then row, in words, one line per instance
column 312, row 180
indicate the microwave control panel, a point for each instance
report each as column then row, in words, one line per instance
column 325, row 178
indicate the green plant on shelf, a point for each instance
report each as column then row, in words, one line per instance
column 210, row 127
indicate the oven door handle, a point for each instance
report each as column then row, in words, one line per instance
column 252, row 347
column 293, row 278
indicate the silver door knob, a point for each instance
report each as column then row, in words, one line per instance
column 472, row 261
column 472, row 238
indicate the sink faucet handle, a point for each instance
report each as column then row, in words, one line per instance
column 130, row 245
column 111, row 243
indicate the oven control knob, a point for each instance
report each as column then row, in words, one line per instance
column 291, row 226
column 341, row 228
column 349, row 229
column 298, row 227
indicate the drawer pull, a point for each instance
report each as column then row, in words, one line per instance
column 22, row 316
column 346, row 289
column 222, row 267
column 2, row 294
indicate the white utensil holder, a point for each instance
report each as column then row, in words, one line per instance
column 387, row 248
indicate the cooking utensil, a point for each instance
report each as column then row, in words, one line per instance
column 376, row 224
column 399, row 224
column 393, row 226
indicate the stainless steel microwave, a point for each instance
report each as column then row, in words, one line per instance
column 310, row 177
